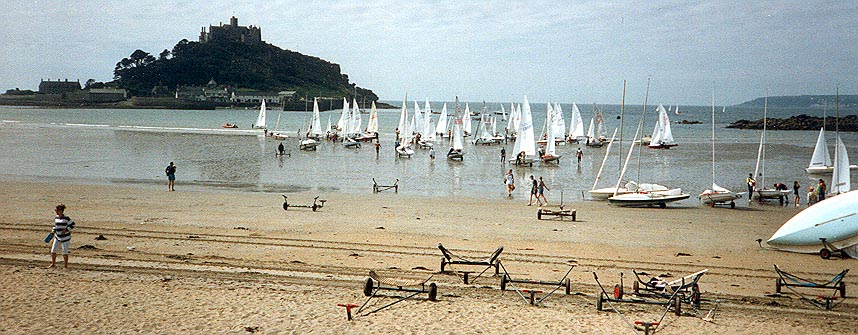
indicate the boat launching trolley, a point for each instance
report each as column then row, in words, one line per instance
column 508, row 281
column 492, row 261
column 835, row 284
column 376, row 283
column 317, row 203
column 379, row 188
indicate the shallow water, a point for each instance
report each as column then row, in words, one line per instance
column 134, row 146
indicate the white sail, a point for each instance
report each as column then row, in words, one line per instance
column 662, row 134
column 427, row 118
column 403, row 123
column 550, row 146
column 466, row 120
column 260, row 120
column 559, row 124
column 512, row 121
column 656, row 131
column 441, row 128
column 591, row 132
column 342, row 123
column 316, row 124
column 840, row 179
column 576, row 124
column 494, row 126
column 821, row 158
column 525, row 141
column 355, row 119
column 457, row 142
column 372, row 124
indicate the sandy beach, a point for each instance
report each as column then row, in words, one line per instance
column 214, row 261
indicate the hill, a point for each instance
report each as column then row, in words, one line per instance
column 261, row 66
column 803, row 101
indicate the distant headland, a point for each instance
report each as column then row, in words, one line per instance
column 804, row 101
column 229, row 66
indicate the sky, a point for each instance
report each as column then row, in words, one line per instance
column 497, row 51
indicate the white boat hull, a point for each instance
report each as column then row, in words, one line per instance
column 658, row 198
column 835, row 219
column 405, row 152
column 765, row 194
column 825, row 169
column 713, row 197
column 607, row 192
column 308, row 144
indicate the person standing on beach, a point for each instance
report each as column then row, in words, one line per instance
column 503, row 155
column 795, row 189
column 821, row 189
column 171, row 176
column 811, row 196
column 509, row 180
column 377, row 148
column 579, row 154
column 751, row 183
column 432, row 154
column 62, row 236
column 540, row 192
column 533, row 195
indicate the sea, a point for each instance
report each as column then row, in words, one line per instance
column 133, row 146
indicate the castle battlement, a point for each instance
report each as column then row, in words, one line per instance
column 232, row 32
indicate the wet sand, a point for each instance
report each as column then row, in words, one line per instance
column 235, row 262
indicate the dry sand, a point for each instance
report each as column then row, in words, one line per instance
column 213, row 261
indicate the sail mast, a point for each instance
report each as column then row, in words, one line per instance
column 713, row 134
column 643, row 117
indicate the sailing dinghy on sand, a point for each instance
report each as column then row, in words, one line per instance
column 717, row 194
column 525, row 143
column 640, row 198
column 764, row 193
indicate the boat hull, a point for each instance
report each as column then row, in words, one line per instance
column 660, row 198
column 309, row 145
column 607, row 192
column 825, row 169
column 551, row 159
column 718, row 197
column 835, row 219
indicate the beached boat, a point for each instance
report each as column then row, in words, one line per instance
column 639, row 197
column 229, row 125
column 835, row 219
column 308, row 144
column 662, row 136
column 820, row 161
column 841, row 181
column 717, row 194
column 762, row 192
column 525, row 143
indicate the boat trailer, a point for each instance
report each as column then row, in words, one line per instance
column 317, row 203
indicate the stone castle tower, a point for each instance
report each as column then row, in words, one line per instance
column 232, row 32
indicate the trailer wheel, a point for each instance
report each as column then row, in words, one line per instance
column 842, row 290
column 618, row 291
column 695, row 296
column 442, row 265
column 662, row 205
column 636, row 287
column 433, row 292
column 539, row 214
column 503, row 283
column 568, row 284
column 314, row 207
column 732, row 204
column 599, row 302
column 367, row 287
column 778, row 285
column 825, row 253
column 285, row 205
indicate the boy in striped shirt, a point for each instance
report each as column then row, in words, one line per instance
column 62, row 236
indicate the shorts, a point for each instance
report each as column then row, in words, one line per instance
column 55, row 248
column 171, row 176
column 539, row 191
column 533, row 190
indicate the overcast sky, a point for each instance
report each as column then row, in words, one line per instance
column 566, row 51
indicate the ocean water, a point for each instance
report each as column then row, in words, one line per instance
column 133, row 147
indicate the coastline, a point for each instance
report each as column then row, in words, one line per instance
column 228, row 261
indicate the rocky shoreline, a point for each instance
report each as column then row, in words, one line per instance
column 800, row 122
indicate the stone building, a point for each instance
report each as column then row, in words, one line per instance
column 232, row 32
column 58, row 87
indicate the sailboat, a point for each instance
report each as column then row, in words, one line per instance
column 834, row 219
column 513, row 122
column 662, row 137
column 466, row 120
column 717, row 194
column 595, row 134
column 260, row 119
column 764, row 193
column 310, row 143
column 550, row 154
column 353, row 127
column 458, row 139
column 403, row 148
column 371, row 131
column 441, row 127
column 275, row 133
column 576, row 125
column 525, row 143
column 820, row 161
column 642, row 197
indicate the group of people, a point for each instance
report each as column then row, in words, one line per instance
column 814, row 195
column 537, row 188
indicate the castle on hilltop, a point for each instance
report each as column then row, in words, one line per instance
column 232, row 32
